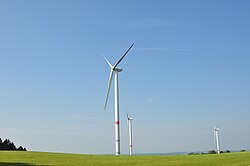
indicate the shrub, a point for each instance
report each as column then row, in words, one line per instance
column 192, row 153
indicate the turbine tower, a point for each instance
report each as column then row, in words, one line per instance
column 130, row 134
column 216, row 137
column 114, row 70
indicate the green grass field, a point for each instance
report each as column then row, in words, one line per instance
column 41, row 158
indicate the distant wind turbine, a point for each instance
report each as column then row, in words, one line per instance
column 216, row 138
column 130, row 134
column 114, row 71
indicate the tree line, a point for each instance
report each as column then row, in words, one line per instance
column 8, row 145
column 213, row 152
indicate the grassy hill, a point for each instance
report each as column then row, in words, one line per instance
column 14, row 158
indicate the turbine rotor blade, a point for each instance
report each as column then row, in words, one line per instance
column 107, row 62
column 123, row 56
column 109, row 85
column 127, row 115
column 214, row 133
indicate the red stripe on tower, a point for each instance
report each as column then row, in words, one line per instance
column 131, row 146
column 117, row 122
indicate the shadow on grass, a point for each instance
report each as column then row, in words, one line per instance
column 14, row 164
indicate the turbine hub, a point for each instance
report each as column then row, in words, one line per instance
column 117, row 69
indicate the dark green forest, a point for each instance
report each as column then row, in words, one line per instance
column 8, row 145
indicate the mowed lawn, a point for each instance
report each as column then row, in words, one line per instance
column 41, row 158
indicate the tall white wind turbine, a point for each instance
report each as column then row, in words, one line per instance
column 114, row 70
column 130, row 134
column 216, row 138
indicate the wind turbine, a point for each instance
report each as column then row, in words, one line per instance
column 114, row 70
column 216, row 138
column 130, row 134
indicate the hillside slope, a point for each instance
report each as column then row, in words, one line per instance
column 42, row 158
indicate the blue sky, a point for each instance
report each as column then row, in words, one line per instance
column 189, row 69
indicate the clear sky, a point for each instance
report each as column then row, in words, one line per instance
column 189, row 68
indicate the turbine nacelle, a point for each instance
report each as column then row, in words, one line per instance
column 128, row 117
column 117, row 69
column 216, row 128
